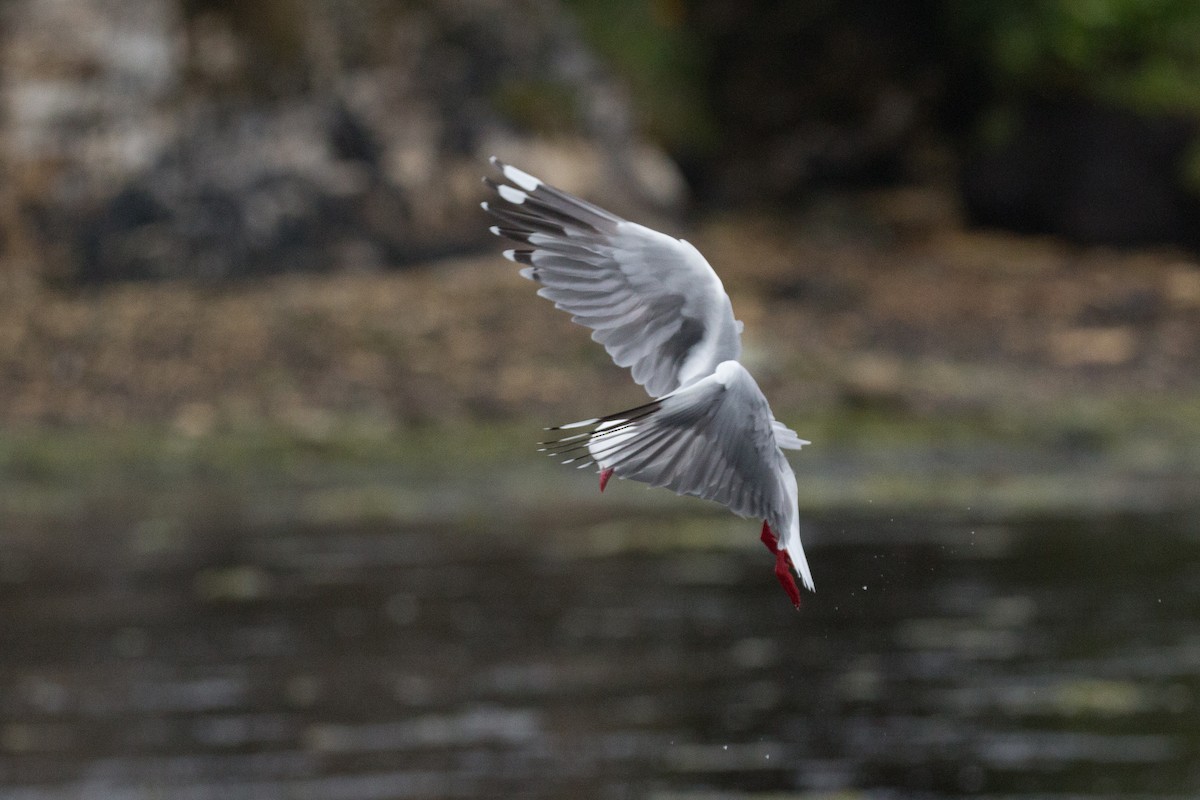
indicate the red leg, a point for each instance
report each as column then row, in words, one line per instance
column 768, row 538
column 605, row 474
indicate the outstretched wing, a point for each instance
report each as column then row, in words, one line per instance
column 652, row 300
column 713, row 439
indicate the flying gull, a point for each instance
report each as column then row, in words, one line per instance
column 658, row 308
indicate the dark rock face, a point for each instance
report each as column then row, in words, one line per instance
column 1090, row 173
column 157, row 138
column 813, row 94
column 224, row 204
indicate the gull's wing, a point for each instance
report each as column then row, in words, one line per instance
column 652, row 300
column 786, row 438
column 713, row 439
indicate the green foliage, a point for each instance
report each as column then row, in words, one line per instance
column 652, row 50
column 1140, row 54
column 1190, row 168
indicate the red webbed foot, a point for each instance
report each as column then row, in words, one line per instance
column 783, row 571
column 783, row 564
column 605, row 474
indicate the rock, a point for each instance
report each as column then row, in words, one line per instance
column 158, row 139
column 1183, row 285
column 1093, row 346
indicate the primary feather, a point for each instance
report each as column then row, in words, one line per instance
column 651, row 299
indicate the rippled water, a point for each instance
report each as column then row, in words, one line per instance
column 635, row 658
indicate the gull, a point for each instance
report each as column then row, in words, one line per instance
column 659, row 309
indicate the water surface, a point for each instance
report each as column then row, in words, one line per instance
column 626, row 658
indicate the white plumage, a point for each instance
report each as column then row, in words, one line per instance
column 658, row 308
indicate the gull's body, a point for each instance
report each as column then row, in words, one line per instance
column 658, row 308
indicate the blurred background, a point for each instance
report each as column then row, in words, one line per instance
column 272, row 520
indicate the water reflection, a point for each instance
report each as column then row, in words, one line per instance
column 631, row 658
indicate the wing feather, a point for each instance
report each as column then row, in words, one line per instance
column 652, row 300
column 787, row 438
column 713, row 439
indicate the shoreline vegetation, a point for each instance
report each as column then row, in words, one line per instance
column 966, row 372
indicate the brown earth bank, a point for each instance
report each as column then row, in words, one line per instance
column 850, row 304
